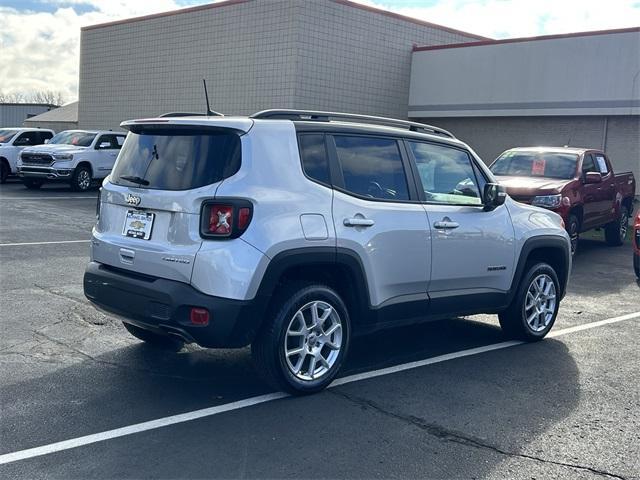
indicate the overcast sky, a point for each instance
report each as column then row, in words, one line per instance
column 40, row 39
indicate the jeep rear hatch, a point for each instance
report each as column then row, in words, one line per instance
column 149, row 218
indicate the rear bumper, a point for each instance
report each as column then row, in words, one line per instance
column 163, row 306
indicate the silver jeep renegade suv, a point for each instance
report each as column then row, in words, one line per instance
column 293, row 231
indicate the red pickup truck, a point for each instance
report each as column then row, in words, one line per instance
column 577, row 183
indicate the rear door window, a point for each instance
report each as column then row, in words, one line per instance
column 372, row 167
column 177, row 159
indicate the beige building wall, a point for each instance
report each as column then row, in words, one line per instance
column 255, row 54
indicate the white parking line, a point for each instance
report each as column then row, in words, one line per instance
column 47, row 198
column 208, row 412
column 42, row 243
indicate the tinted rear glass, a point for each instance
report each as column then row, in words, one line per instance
column 7, row 135
column 536, row 164
column 175, row 159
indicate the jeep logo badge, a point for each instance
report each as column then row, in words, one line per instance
column 133, row 200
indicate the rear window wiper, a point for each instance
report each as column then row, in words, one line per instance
column 133, row 179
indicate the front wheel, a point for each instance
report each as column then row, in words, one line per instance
column 4, row 171
column 616, row 232
column 303, row 343
column 534, row 309
column 81, row 180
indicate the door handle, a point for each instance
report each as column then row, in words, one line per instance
column 446, row 225
column 358, row 222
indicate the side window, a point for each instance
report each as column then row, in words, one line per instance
column 602, row 164
column 119, row 141
column 313, row 154
column 446, row 173
column 106, row 142
column 45, row 136
column 27, row 139
column 588, row 165
column 372, row 167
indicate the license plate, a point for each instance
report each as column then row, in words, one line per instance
column 138, row 224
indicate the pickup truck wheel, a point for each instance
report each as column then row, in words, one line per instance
column 616, row 232
column 533, row 310
column 573, row 229
column 81, row 180
column 4, row 171
column 164, row 342
column 32, row 184
column 305, row 339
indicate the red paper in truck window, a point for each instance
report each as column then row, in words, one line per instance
column 537, row 167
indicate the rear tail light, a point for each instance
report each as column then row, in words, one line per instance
column 199, row 316
column 225, row 218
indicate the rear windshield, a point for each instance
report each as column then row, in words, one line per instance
column 536, row 164
column 175, row 159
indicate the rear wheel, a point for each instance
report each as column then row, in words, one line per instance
column 164, row 342
column 32, row 184
column 81, row 180
column 303, row 343
column 573, row 229
column 4, row 171
column 533, row 310
column 616, row 232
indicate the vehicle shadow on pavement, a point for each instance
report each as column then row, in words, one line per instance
column 504, row 399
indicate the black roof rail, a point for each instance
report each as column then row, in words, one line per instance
column 189, row 114
column 318, row 116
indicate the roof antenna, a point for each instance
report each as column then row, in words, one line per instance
column 210, row 113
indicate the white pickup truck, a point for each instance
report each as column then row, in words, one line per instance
column 77, row 157
column 12, row 141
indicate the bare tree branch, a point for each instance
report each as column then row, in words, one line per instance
column 51, row 97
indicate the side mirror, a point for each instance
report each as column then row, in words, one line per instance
column 592, row 177
column 494, row 196
column 46, row 140
column 104, row 145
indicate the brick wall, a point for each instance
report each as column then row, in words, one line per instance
column 256, row 54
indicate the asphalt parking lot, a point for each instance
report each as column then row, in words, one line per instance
column 469, row 406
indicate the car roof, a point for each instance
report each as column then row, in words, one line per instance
column 95, row 132
column 576, row 150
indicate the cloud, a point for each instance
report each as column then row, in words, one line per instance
column 41, row 49
column 40, row 39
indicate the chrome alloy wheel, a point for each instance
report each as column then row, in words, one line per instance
column 313, row 341
column 84, row 179
column 540, row 304
column 624, row 224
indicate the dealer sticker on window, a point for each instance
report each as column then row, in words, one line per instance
column 138, row 224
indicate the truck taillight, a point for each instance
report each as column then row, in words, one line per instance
column 225, row 219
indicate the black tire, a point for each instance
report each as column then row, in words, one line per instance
column 32, row 184
column 616, row 232
column 4, row 171
column 268, row 350
column 573, row 229
column 164, row 342
column 81, row 179
column 636, row 264
column 514, row 320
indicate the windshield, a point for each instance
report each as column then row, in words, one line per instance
column 7, row 135
column 173, row 159
column 80, row 139
column 536, row 164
